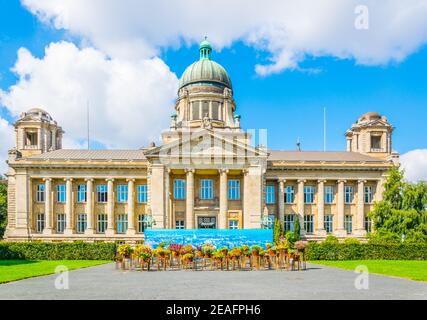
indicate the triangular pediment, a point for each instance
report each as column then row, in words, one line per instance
column 205, row 143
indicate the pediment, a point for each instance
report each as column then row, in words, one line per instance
column 204, row 144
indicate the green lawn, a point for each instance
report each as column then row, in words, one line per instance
column 12, row 270
column 414, row 270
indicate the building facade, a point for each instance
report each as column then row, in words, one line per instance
column 205, row 174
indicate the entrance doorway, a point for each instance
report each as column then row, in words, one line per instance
column 206, row 222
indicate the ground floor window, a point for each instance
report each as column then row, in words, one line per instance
column 179, row 224
column 348, row 224
column 309, row 223
column 122, row 223
column 368, row 224
column 60, row 223
column 81, row 223
column 141, row 223
column 102, row 223
column 233, row 224
column 289, row 222
column 329, row 222
column 40, row 223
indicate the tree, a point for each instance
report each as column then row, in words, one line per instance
column 278, row 231
column 3, row 207
column 297, row 229
column 402, row 214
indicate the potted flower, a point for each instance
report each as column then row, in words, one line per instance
column 300, row 246
column 207, row 250
column 145, row 253
column 125, row 251
column 256, row 251
column 175, row 249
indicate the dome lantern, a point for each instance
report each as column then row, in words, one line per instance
column 205, row 49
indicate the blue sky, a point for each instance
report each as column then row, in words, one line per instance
column 289, row 104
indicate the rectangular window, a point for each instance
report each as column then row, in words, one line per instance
column 195, row 110
column 61, row 193
column 348, row 224
column 289, row 222
column 40, row 193
column 205, row 109
column 179, row 189
column 142, row 224
column 308, row 194
column 122, row 223
column 289, row 194
column 348, row 194
column 142, row 195
column 329, row 194
column 102, row 223
column 179, row 224
column 368, row 195
column 206, row 192
column 270, row 194
column 309, row 223
column 40, row 223
column 102, row 193
column 233, row 189
column 329, row 223
column 60, row 223
column 368, row 225
column 233, row 224
column 81, row 223
column 122, row 193
column 215, row 110
column 81, row 193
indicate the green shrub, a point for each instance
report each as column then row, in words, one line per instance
column 331, row 239
column 77, row 250
column 351, row 241
column 365, row 251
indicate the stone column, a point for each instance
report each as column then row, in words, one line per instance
column 69, row 227
column 131, row 207
column 301, row 204
column 189, row 210
column 340, row 231
column 110, row 208
column 89, row 207
column 223, row 199
column 48, row 206
column 167, row 199
column 321, row 208
column 360, row 221
column 281, row 200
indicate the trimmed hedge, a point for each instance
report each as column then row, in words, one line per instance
column 342, row 251
column 57, row 251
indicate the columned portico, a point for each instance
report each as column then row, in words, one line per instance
column 131, row 207
column 340, row 230
column 110, row 208
column 48, row 207
column 69, row 207
column 223, row 199
column 321, row 208
column 189, row 209
column 89, row 207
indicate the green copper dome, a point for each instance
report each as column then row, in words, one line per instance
column 205, row 70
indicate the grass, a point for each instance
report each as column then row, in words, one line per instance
column 414, row 270
column 13, row 270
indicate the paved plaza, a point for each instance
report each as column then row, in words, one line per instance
column 318, row 282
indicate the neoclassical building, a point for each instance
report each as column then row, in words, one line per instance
column 205, row 174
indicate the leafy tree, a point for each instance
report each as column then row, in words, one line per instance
column 3, row 208
column 297, row 229
column 402, row 214
column 278, row 231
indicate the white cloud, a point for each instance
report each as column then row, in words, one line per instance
column 415, row 165
column 287, row 29
column 6, row 143
column 130, row 102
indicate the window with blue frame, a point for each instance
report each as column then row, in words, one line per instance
column 308, row 194
column 329, row 194
column 206, row 192
column 81, row 193
column 270, row 194
column 122, row 223
column 122, row 193
column 233, row 189
column 289, row 222
column 142, row 193
column 61, row 194
column 179, row 189
column 102, row 193
column 289, row 194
